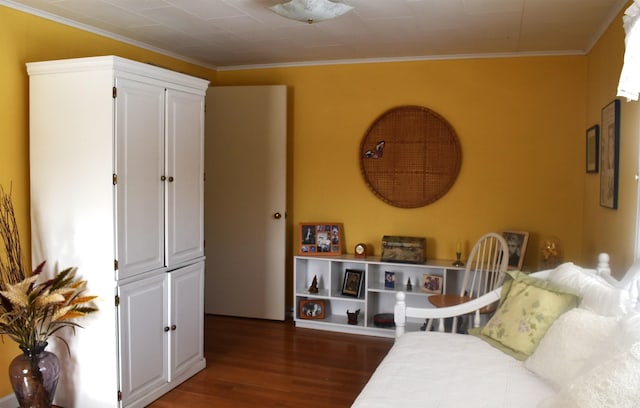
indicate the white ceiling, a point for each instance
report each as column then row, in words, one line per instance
column 233, row 33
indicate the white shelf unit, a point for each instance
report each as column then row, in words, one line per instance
column 374, row 297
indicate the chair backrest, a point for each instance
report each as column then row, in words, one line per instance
column 486, row 265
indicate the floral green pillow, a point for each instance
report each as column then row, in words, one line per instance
column 525, row 314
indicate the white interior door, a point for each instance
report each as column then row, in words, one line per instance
column 245, row 199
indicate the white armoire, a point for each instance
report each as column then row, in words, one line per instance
column 117, row 190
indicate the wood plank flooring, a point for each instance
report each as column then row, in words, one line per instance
column 261, row 363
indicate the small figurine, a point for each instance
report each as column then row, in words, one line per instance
column 409, row 285
column 352, row 317
column 314, row 285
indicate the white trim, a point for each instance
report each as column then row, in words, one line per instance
column 401, row 59
column 9, row 401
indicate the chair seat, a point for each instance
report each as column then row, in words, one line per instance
column 448, row 300
column 454, row 300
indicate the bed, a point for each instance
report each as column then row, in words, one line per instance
column 590, row 338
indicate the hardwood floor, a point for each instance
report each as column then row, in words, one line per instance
column 260, row 363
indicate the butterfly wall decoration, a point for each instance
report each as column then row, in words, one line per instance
column 376, row 152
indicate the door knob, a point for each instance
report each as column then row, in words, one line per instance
column 173, row 327
column 170, row 179
column 277, row 216
column 166, row 328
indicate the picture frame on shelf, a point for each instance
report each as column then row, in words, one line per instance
column 389, row 280
column 312, row 309
column 592, row 147
column 517, row 243
column 320, row 239
column 609, row 154
column 431, row 283
column 352, row 282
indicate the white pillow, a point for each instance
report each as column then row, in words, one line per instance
column 614, row 383
column 568, row 344
column 596, row 293
column 626, row 334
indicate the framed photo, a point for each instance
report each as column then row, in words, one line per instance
column 517, row 242
column 312, row 309
column 431, row 283
column 593, row 144
column 389, row 280
column 321, row 239
column 609, row 155
column 352, row 283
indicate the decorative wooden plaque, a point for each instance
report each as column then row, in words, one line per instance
column 410, row 156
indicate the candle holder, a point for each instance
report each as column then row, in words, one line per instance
column 458, row 262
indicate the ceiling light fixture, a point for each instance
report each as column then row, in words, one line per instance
column 311, row 11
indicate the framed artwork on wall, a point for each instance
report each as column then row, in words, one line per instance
column 609, row 155
column 320, row 239
column 593, row 141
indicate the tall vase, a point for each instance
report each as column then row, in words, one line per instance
column 34, row 376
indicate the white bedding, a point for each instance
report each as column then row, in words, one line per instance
column 432, row 379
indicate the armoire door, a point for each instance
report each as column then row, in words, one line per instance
column 245, row 201
column 186, row 318
column 144, row 336
column 184, row 176
column 139, row 164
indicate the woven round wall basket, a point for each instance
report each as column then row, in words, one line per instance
column 410, row 156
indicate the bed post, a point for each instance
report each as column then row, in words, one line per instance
column 399, row 313
column 603, row 264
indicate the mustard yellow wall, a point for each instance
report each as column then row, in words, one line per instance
column 25, row 38
column 605, row 229
column 520, row 122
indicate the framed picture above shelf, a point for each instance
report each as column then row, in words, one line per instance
column 320, row 239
